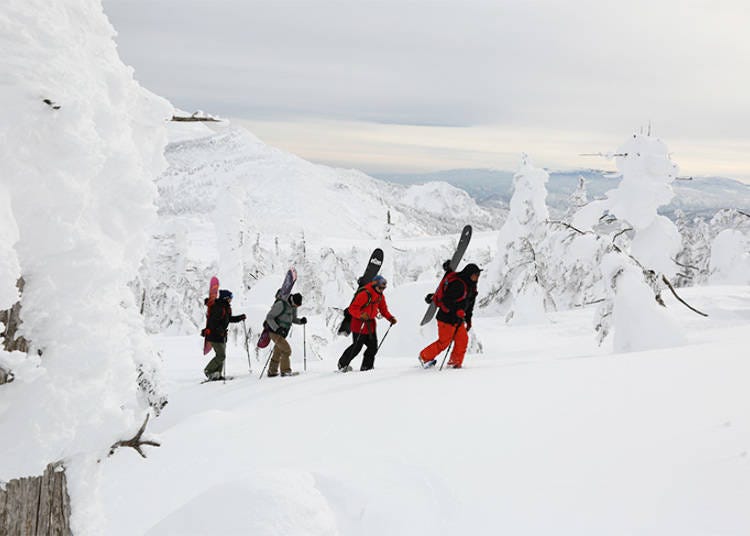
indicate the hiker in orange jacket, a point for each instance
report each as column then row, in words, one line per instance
column 456, row 308
column 366, row 305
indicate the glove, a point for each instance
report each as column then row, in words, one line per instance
column 447, row 265
column 428, row 298
column 303, row 320
column 243, row 316
column 461, row 313
column 393, row 320
column 365, row 316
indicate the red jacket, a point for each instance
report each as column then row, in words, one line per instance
column 369, row 302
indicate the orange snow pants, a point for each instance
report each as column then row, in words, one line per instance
column 445, row 336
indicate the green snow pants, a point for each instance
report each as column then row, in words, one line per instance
column 217, row 363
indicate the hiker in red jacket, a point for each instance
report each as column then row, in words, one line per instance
column 455, row 301
column 368, row 302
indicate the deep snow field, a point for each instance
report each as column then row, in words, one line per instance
column 541, row 433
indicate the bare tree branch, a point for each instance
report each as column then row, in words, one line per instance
column 683, row 302
column 194, row 118
column 617, row 234
column 135, row 442
column 564, row 224
column 678, row 263
column 604, row 155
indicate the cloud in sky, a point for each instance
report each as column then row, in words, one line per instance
column 579, row 69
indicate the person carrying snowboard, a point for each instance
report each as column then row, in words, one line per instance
column 367, row 303
column 279, row 321
column 455, row 300
column 217, row 321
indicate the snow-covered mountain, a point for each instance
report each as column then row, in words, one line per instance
column 231, row 205
column 701, row 196
column 284, row 194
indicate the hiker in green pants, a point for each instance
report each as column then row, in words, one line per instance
column 219, row 318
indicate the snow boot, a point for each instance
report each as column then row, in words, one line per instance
column 347, row 368
column 426, row 364
column 290, row 373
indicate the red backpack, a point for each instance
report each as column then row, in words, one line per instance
column 448, row 278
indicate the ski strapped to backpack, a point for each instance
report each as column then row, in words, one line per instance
column 371, row 270
column 439, row 295
column 463, row 243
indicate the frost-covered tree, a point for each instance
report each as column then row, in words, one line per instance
column 79, row 157
column 516, row 279
column 730, row 258
column 643, row 245
column 694, row 256
column 577, row 200
column 386, row 244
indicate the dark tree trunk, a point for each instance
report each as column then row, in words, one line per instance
column 37, row 505
column 11, row 318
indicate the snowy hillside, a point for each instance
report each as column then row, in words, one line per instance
column 230, row 205
column 542, row 433
column 284, row 194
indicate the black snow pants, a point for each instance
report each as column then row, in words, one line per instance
column 361, row 339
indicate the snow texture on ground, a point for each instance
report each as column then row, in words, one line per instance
column 542, row 433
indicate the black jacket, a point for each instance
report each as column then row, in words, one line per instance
column 460, row 294
column 219, row 317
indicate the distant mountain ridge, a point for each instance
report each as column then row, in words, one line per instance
column 702, row 196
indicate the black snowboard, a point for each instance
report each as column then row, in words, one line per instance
column 463, row 243
column 372, row 269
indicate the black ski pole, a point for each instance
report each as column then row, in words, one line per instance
column 264, row 366
column 247, row 347
column 383, row 339
column 449, row 346
column 304, row 344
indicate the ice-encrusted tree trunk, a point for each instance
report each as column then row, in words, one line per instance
column 81, row 143
column 643, row 246
column 516, row 279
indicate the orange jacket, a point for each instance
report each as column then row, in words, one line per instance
column 368, row 303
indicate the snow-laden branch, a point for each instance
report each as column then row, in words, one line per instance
column 649, row 274
column 683, row 302
column 135, row 442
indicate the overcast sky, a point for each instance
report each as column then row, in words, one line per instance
column 400, row 86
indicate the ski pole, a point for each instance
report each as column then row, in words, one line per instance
column 304, row 344
column 449, row 346
column 247, row 347
column 264, row 366
column 383, row 339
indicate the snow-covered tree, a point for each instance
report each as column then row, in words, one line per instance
column 79, row 154
column 643, row 246
column 516, row 280
column 694, row 256
column 577, row 200
column 730, row 258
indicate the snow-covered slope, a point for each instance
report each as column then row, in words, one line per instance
column 284, row 194
column 230, row 205
column 543, row 433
